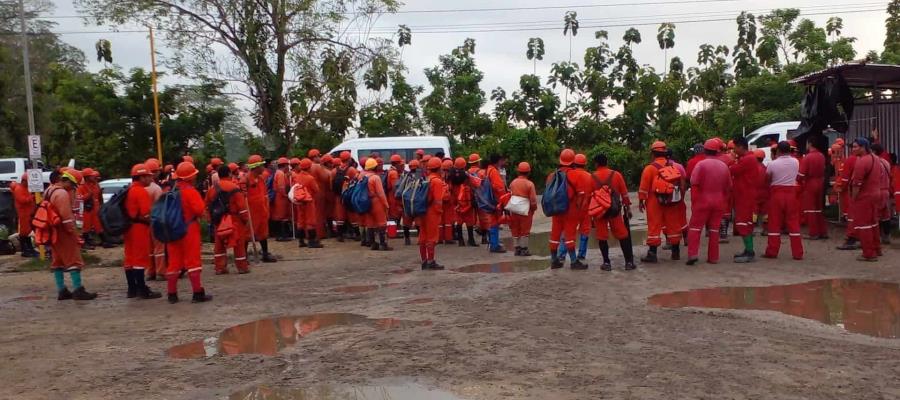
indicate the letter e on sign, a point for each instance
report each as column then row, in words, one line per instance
column 34, row 147
column 35, row 181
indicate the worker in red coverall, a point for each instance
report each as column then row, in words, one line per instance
column 429, row 223
column 671, row 217
column 895, row 183
column 584, row 227
column 492, row 168
column 458, row 182
column 184, row 253
column 65, row 249
column 237, row 216
column 467, row 209
column 812, row 191
column 395, row 205
column 710, row 187
column 323, row 179
column 566, row 225
column 341, row 172
column 520, row 225
column 783, row 206
column 884, row 210
column 448, row 217
column 376, row 218
column 762, row 191
column 745, row 177
column 605, row 176
column 865, row 192
column 138, row 243
column 25, row 205
column 281, row 206
column 254, row 186
column 306, row 214
column 91, row 199
column 851, row 241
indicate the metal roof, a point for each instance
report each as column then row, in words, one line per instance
column 858, row 74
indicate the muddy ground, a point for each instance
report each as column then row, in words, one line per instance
column 533, row 335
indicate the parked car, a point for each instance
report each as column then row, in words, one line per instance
column 110, row 187
column 760, row 138
column 12, row 169
column 405, row 146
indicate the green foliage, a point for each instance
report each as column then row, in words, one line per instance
column 621, row 158
column 891, row 52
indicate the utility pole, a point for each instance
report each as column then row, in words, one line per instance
column 159, row 153
column 29, row 101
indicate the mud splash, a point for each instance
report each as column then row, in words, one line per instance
column 269, row 336
column 363, row 288
column 506, row 267
column 859, row 306
column 393, row 392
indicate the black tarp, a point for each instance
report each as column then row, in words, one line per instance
column 828, row 103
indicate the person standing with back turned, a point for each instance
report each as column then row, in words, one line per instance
column 783, row 206
column 710, row 189
column 184, row 253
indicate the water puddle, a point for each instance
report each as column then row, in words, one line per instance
column 269, row 336
column 539, row 243
column 392, row 392
column 859, row 306
column 506, row 267
column 363, row 288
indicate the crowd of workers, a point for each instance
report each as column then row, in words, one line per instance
column 303, row 200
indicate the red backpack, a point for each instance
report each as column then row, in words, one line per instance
column 666, row 184
column 45, row 222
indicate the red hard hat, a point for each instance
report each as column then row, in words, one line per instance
column 140, row 170
column 721, row 143
column 420, row 152
column 313, row 153
column 396, row 158
column 474, row 158
column 730, row 144
column 254, row 161
column 352, row 172
column 446, row 165
column 793, row 143
column 327, row 159
column 345, row 155
column 711, row 144
column 459, row 163
column 209, row 168
column 232, row 167
column 567, row 157
column 185, row 170
column 283, row 161
column 658, row 145
column 580, row 159
column 414, row 164
column 426, row 157
column 362, row 161
column 295, row 161
column 152, row 164
column 168, row 169
column 89, row 172
column 759, row 154
column 523, row 167
column 216, row 162
column 305, row 164
column 433, row 163
column 73, row 175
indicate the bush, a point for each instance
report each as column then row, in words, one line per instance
column 622, row 159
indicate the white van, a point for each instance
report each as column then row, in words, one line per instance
column 12, row 169
column 405, row 146
column 778, row 132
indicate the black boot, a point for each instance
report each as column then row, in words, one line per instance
column 471, row 232
column 27, row 248
column 382, row 237
column 146, row 293
column 628, row 252
column 676, row 252
column 86, row 238
column 266, row 257
column 459, row 236
column 406, row 240
column 555, row 262
column 314, row 243
column 301, row 239
column 201, row 296
column 173, row 298
column 340, row 233
column 849, row 244
column 365, row 242
column 132, row 284
column 105, row 241
column 64, row 294
column 604, row 251
column 370, row 235
column 651, row 256
column 433, row 265
column 81, row 294
column 484, row 238
column 356, row 234
column 284, row 228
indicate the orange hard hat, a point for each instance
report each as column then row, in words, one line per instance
column 658, row 145
column 185, row 170
column 721, row 143
column 420, row 152
column 168, row 169
column 759, row 154
column 327, row 159
column 152, row 164
column 232, row 167
column 474, row 158
column 524, row 167
column 396, row 158
column 566, row 157
column 89, row 172
column 711, row 144
column 152, row 159
column 371, row 164
column 446, row 165
column 305, row 164
column 426, row 157
column 254, row 161
column 283, row 161
column 580, row 159
column 188, row 159
column 414, row 164
column 352, row 172
column 295, row 161
column 433, row 163
column 345, row 155
column 73, row 175
column 313, row 153
column 216, row 162
column 140, row 170
column 459, row 163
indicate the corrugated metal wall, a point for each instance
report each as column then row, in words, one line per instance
column 888, row 124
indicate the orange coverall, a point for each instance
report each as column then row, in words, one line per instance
column 138, row 244
column 306, row 215
column 89, row 192
column 520, row 225
column 377, row 215
column 25, row 206
column 672, row 217
column 66, row 248
column 430, row 222
column 237, row 209
column 258, row 199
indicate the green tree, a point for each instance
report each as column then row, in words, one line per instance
column 397, row 117
column 453, row 107
column 891, row 52
column 570, row 24
column 665, row 36
column 535, row 52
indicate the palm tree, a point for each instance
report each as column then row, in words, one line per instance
column 666, row 38
column 535, row 51
column 571, row 24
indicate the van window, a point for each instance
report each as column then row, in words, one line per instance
column 407, row 154
column 763, row 140
column 7, row 167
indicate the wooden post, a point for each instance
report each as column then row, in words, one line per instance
column 159, row 153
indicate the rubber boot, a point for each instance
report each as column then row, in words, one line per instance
column 885, row 232
column 201, row 296
column 86, row 238
column 314, row 243
column 173, row 298
column 27, row 248
column 82, row 294
column 301, row 239
column 284, row 228
column 651, row 255
column 494, row 234
column 406, row 240
column 459, row 236
column 628, row 252
column 64, row 294
column 132, row 285
column 340, row 233
column 471, row 231
column 105, row 241
column 676, row 252
column 366, row 238
column 371, row 237
column 523, row 241
column 604, row 251
column 555, row 261
column 484, row 236
column 382, row 237
column 849, row 244
column 266, row 256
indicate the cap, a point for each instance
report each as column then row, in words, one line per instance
column 140, row 170
column 371, row 164
column 711, row 144
column 434, row 163
column 566, row 157
column 658, row 145
column 305, row 164
column 185, row 170
column 474, row 158
column 459, row 163
column 523, row 167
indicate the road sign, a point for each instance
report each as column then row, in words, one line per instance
column 35, row 181
column 34, row 147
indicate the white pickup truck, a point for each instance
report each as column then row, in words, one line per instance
column 12, row 169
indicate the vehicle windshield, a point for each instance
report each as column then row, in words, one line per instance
column 765, row 140
column 7, row 167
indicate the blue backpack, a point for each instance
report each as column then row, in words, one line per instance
column 360, row 202
column 415, row 198
column 484, row 196
column 556, row 196
column 167, row 218
column 270, row 187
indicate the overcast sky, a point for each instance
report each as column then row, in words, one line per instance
column 501, row 55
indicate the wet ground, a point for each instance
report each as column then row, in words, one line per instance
column 387, row 392
column 543, row 334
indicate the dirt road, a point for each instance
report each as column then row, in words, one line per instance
column 531, row 335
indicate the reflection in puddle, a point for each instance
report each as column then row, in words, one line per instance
column 269, row 336
column 363, row 288
column 507, row 267
column 424, row 300
column 398, row 392
column 539, row 243
column 867, row 307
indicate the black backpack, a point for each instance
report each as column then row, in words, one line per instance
column 218, row 208
column 113, row 216
column 337, row 184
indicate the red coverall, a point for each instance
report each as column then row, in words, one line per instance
column 672, row 217
column 25, row 206
column 812, row 181
column 258, row 199
column 784, row 211
column 762, row 193
column 158, row 264
column 895, row 185
column 465, row 205
column 866, row 180
column 376, row 218
column 237, row 210
column 306, row 215
column 615, row 224
column 498, row 186
column 66, row 248
column 323, row 177
column 710, row 187
column 430, row 222
column 185, row 252
column 281, row 210
column 90, row 220
column 580, row 187
column 846, row 200
column 520, row 225
column 448, row 217
column 138, row 244
column 483, row 217
column 745, row 175
column 395, row 206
